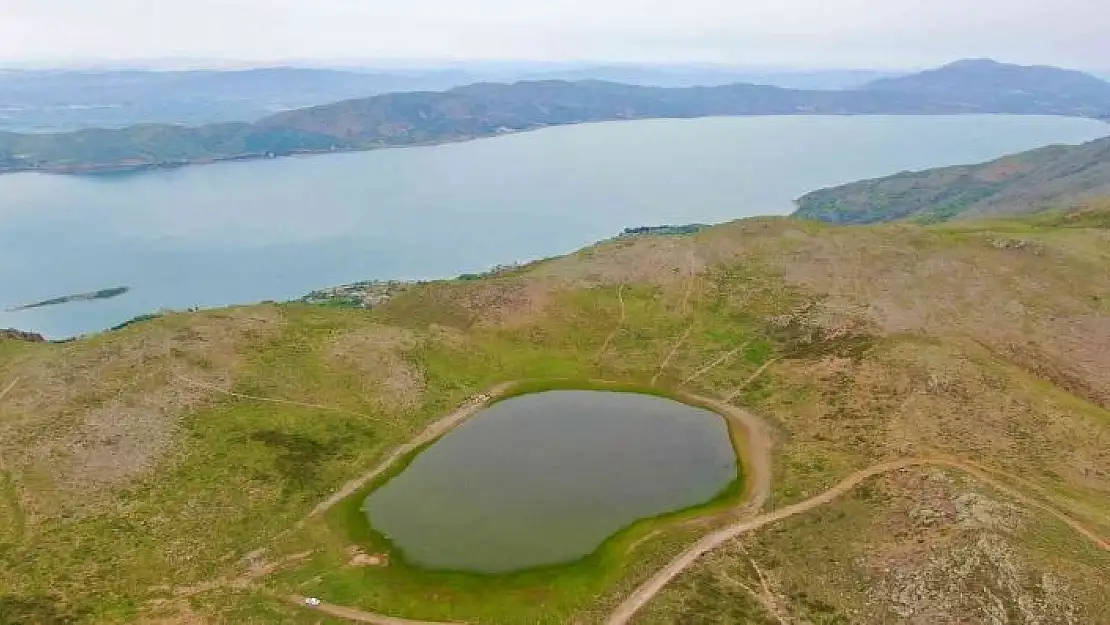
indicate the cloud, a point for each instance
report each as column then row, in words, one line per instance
column 811, row 33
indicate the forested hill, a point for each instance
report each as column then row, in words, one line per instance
column 1017, row 184
column 488, row 109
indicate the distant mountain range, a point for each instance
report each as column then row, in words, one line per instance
column 1050, row 177
column 488, row 109
column 62, row 100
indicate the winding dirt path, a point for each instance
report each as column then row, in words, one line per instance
column 646, row 592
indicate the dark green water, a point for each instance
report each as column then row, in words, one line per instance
column 547, row 478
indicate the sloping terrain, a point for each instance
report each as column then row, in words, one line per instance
column 167, row 472
column 488, row 109
column 992, row 85
column 1012, row 185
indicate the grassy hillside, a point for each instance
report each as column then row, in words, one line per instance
column 487, row 109
column 1018, row 184
column 165, row 472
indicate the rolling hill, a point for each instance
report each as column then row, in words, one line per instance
column 1018, row 184
column 937, row 401
column 488, row 109
column 60, row 100
column 992, row 86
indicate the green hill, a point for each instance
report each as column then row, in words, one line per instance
column 1018, row 184
column 999, row 86
column 489, row 109
column 167, row 472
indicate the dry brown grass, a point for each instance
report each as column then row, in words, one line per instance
column 913, row 547
column 95, row 414
column 387, row 379
column 1037, row 303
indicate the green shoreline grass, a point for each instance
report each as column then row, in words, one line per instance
column 594, row 572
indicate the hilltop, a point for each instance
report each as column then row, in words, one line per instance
column 957, row 375
column 993, row 86
column 490, row 109
column 1018, row 184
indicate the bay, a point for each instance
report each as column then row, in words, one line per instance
column 273, row 230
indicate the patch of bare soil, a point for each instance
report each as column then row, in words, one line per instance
column 361, row 559
column 176, row 612
column 510, row 303
column 376, row 353
column 1038, row 302
column 666, row 261
column 92, row 416
column 955, row 557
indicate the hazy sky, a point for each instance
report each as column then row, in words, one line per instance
column 809, row 33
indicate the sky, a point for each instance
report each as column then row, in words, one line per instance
column 754, row 33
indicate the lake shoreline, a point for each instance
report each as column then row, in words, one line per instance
column 223, row 236
column 95, row 169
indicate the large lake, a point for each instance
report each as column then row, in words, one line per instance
column 244, row 232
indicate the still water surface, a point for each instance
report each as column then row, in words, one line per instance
column 245, row 232
column 546, row 478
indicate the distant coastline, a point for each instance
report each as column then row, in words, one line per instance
column 421, row 118
column 94, row 169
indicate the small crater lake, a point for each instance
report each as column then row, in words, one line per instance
column 546, row 478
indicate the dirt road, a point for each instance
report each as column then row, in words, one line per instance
column 359, row 616
column 646, row 592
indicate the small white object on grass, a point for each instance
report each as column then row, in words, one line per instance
column 312, row 601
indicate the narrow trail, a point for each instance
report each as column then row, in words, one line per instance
column 674, row 350
column 715, row 363
column 271, row 400
column 690, row 281
column 620, row 324
column 752, row 378
column 646, row 592
column 430, row 433
column 8, row 389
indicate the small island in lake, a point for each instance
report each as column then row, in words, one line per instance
column 79, row 297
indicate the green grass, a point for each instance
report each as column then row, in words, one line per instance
column 241, row 473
